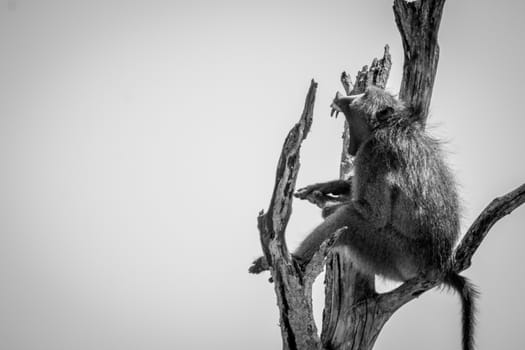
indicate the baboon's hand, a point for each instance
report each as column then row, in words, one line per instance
column 259, row 265
column 326, row 193
column 315, row 190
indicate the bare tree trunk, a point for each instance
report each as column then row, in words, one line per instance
column 354, row 313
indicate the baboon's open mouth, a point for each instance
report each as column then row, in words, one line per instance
column 335, row 110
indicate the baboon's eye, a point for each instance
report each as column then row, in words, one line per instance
column 384, row 114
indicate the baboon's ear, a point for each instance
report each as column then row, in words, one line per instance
column 384, row 114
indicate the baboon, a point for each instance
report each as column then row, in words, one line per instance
column 402, row 218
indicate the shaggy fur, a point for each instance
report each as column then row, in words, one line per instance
column 403, row 219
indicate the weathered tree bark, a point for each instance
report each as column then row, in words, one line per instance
column 293, row 296
column 354, row 313
column 418, row 23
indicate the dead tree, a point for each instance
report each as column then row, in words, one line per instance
column 354, row 313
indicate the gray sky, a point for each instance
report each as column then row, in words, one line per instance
column 138, row 141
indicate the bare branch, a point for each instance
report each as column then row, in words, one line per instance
column 408, row 291
column 497, row 209
column 418, row 23
column 297, row 324
column 346, row 81
column 273, row 223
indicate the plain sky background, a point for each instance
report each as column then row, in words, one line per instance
column 139, row 139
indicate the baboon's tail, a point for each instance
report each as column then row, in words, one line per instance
column 468, row 293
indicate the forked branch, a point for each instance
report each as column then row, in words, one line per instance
column 294, row 297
